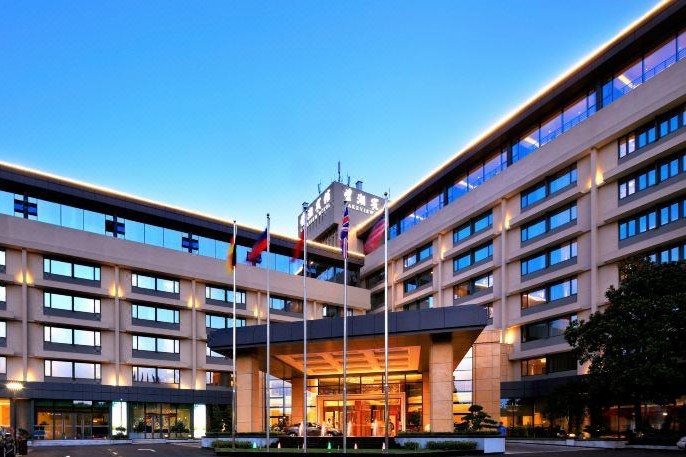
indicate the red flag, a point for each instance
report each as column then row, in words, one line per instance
column 375, row 237
column 298, row 249
column 254, row 256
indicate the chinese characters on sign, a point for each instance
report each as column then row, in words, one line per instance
column 357, row 201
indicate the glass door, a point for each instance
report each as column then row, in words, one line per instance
column 84, row 426
column 365, row 414
column 152, row 426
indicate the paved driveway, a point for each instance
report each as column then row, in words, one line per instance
column 542, row 450
column 123, row 450
column 194, row 450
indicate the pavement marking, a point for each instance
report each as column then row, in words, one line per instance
column 151, row 450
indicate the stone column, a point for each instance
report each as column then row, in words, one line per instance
column 486, row 380
column 296, row 400
column 441, row 368
column 250, row 393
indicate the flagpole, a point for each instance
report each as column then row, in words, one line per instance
column 305, row 328
column 267, row 393
column 345, row 342
column 385, row 319
column 234, row 409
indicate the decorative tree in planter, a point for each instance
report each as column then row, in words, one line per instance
column 476, row 420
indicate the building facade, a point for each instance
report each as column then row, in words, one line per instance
column 115, row 312
column 106, row 303
column 534, row 218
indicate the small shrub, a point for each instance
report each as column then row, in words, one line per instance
column 451, row 445
column 411, row 445
column 224, row 444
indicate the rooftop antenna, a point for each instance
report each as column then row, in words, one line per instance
column 319, row 188
column 339, row 171
column 348, row 180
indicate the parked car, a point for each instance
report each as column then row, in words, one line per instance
column 681, row 444
column 312, row 430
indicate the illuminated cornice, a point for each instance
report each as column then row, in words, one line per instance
column 135, row 198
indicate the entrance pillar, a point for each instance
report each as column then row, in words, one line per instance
column 250, row 393
column 487, row 366
column 296, row 400
column 441, row 385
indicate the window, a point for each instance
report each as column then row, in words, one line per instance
column 660, row 59
column 552, row 363
column 377, row 299
column 3, row 294
column 154, row 344
column 578, row 111
column 2, row 258
column 422, row 303
column 668, row 254
column 533, row 367
column 548, row 258
column 25, row 206
column 652, row 219
column 652, row 131
column 549, row 222
column 3, row 365
column 463, row 380
column 285, row 304
column 473, row 286
column 375, row 278
column 155, row 314
column 156, row 375
column 224, row 294
column 210, row 353
column 548, row 187
column 3, row 329
column 72, row 370
column 337, row 311
column 477, row 224
column 71, row 269
column 555, row 291
column 214, row 321
column 650, row 176
column 527, row 144
column 418, row 281
column 218, row 379
column 546, row 329
column 52, row 300
column 564, row 361
column 418, row 256
column 71, row 336
column 478, row 254
column 170, row 286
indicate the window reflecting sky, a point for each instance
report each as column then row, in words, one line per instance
column 239, row 108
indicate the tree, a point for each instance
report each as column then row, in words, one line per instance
column 569, row 401
column 636, row 346
column 475, row 420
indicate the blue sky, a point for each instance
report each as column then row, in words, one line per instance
column 238, row 108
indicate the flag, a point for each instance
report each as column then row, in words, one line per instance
column 375, row 236
column 298, row 249
column 231, row 258
column 254, row 256
column 345, row 227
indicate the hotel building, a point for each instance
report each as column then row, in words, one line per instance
column 116, row 311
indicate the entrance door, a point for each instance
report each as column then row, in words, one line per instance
column 365, row 413
column 152, row 426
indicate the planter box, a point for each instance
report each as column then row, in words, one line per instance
column 487, row 444
column 599, row 444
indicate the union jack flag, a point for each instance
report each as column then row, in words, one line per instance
column 345, row 227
